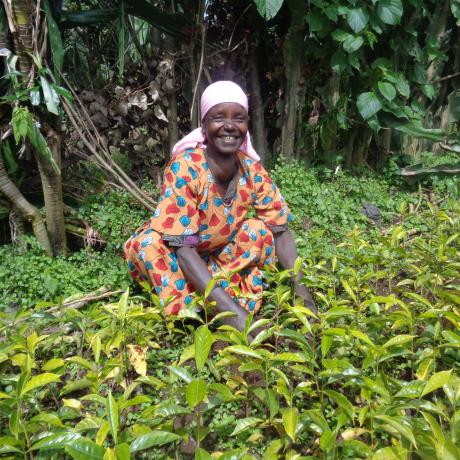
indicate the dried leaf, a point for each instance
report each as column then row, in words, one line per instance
column 138, row 358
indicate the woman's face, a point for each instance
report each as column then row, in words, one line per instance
column 225, row 127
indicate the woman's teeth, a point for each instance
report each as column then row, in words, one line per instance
column 229, row 138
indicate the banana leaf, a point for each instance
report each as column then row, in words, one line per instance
column 419, row 169
column 57, row 47
column 412, row 128
column 175, row 25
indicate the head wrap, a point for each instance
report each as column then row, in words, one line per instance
column 217, row 93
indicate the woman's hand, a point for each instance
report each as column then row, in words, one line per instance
column 196, row 272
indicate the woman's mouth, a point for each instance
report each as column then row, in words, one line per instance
column 229, row 139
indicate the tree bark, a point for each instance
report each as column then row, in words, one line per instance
column 293, row 58
column 52, row 194
column 30, row 212
column 173, row 127
column 257, row 108
column 22, row 38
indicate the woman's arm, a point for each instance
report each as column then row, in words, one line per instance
column 196, row 272
column 287, row 255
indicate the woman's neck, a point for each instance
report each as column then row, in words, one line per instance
column 223, row 167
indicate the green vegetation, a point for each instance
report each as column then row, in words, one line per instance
column 376, row 378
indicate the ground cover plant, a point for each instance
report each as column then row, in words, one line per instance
column 376, row 377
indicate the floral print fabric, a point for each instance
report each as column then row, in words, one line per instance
column 192, row 212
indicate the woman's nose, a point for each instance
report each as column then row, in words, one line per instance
column 229, row 123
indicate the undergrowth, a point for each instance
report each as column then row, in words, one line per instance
column 377, row 377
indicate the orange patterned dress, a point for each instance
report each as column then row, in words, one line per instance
column 192, row 212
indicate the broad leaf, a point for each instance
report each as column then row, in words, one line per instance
column 245, row 423
column 153, row 439
column 390, row 11
column 195, row 392
column 56, row 441
column 203, row 343
column 368, row 104
column 57, row 47
column 352, row 43
column 290, row 421
column 40, row 381
column 398, row 340
column 84, row 449
column 387, row 90
column 437, row 381
column 268, row 8
column 357, row 19
column 111, row 408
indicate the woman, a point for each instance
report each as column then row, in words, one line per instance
column 200, row 228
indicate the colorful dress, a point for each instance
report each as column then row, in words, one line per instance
column 191, row 212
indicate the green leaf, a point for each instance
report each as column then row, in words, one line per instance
column 327, row 440
column 53, row 363
column 175, row 25
column 326, row 344
column 402, row 85
column 182, row 373
column 57, row 47
column 271, row 400
column 268, row 8
column 51, row 98
column 414, row 129
column 398, row 340
column 223, row 391
column 56, row 441
column 39, row 381
column 391, row 453
column 368, row 104
column 357, row 19
column 195, row 392
column 245, row 423
column 290, row 421
column 352, row 43
column 122, row 451
column 403, row 430
column 203, row 343
column 210, row 287
column 123, row 305
column 13, row 422
column 38, row 141
column 387, row 90
column 153, row 439
column 288, row 357
column 437, row 381
column 201, row 454
column 168, row 410
column 341, row 401
column 111, row 407
column 428, row 91
column 243, row 350
column 390, row 11
column 84, row 449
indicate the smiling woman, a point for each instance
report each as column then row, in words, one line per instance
column 200, row 228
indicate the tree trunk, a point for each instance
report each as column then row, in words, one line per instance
column 30, row 212
column 257, row 108
column 52, row 194
column 328, row 133
column 173, row 127
column 3, row 28
column 293, row 58
column 22, row 37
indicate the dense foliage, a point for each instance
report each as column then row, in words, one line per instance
column 377, row 377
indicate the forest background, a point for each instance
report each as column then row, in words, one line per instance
column 354, row 107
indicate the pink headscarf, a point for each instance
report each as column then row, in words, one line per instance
column 216, row 93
